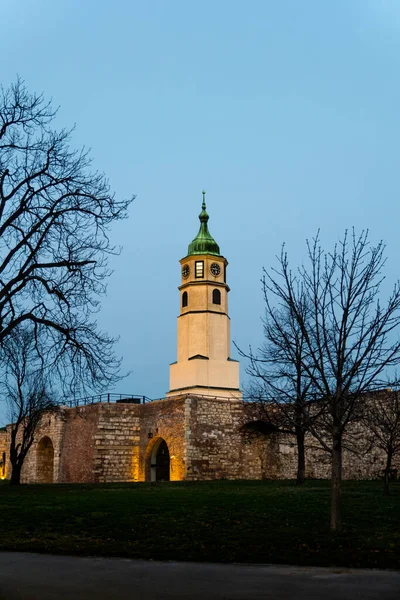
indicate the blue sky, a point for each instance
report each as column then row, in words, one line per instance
column 286, row 112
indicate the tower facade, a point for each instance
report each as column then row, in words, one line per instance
column 203, row 365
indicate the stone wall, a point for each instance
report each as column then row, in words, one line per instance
column 118, row 442
column 271, row 458
column 71, row 433
column 108, row 442
column 51, row 427
column 4, row 450
column 163, row 419
column 77, row 453
column 276, row 458
column 213, row 442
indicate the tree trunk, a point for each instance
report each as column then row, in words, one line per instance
column 15, row 475
column 301, row 459
column 336, row 506
column 386, row 490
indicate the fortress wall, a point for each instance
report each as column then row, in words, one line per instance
column 360, row 463
column 276, row 458
column 116, row 443
column 76, row 463
column 164, row 419
column 213, row 441
column 107, row 442
column 270, row 458
column 125, row 435
column 51, row 426
column 4, row 451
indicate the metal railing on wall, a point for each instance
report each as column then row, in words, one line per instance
column 122, row 398
column 133, row 399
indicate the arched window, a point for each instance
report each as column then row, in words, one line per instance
column 216, row 297
column 184, row 299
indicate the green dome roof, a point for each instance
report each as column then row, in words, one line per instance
column 203, row 243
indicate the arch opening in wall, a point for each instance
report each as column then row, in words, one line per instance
column 184, row 299
column 216, row 296
column 160, row 461
column 3, row 463
column 45, row 461
column 258, row 429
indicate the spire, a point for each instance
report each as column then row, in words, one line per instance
column 203, row 243
column 203, row 216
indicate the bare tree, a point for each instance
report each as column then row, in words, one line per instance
column 280, row 386
column 382, row 418
column 27, row 389
column 55, row 215
column 349, row 337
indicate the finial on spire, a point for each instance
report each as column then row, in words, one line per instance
column 203, row 243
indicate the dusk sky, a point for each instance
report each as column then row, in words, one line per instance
column 285, row 112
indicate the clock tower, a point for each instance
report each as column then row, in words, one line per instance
column 204, row 366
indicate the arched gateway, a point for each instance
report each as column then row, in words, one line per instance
column 159, row 461
column 45, row 461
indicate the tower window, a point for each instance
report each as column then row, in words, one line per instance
column 199, row 269
column 216, row 297
column 184, row 299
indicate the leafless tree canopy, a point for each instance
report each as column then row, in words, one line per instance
column 351, row 338
column 349, row 341
column 55, row 215
column 279, row 386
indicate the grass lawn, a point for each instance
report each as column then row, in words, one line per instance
column 256, row 521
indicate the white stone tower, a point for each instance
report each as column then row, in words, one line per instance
column 204, row 366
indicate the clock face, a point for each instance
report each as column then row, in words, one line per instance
column 215, row 269
column 185, row 272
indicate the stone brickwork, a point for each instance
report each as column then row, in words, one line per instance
column 276, row 458
column 51, row 427
column 77, row 455
column 163, row 419
column 106, row 442
column 3, row 453
column 213, row 441
column 118, row 442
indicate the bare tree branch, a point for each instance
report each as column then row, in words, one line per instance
column 55, row 217
column 350, row 341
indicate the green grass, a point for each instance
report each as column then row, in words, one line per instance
column 257, row 521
